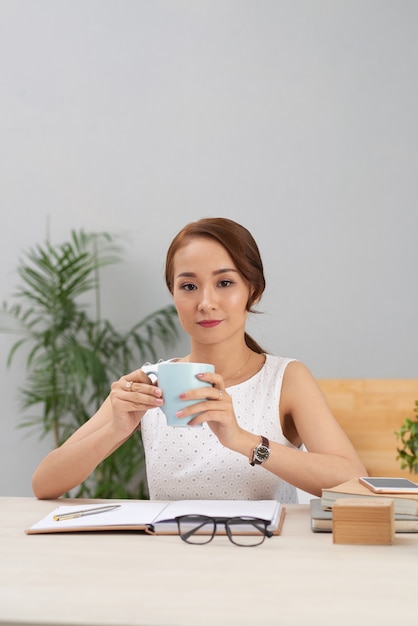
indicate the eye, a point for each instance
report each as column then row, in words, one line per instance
column 225, row 283
column 188, row 287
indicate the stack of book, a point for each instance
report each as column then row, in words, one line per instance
column 405, row 506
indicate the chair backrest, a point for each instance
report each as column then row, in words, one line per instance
column 369, row 411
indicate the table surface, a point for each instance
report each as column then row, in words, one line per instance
column 128, row 578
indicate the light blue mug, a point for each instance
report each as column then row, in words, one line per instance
column 174, row 378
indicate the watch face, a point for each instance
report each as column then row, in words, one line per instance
column 262, row 453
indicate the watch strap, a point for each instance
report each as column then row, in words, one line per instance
column 264, row 441
column 253, row 458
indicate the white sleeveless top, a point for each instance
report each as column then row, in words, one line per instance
column 190, row 463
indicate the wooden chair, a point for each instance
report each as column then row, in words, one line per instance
column 369, row 411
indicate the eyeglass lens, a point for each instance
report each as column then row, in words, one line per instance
column 242, row 531
column 197, row 529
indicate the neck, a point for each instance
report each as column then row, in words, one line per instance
column 230, row 362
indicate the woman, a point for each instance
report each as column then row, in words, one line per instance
column 258, row 412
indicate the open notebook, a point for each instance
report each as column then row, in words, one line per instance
column 152, row 517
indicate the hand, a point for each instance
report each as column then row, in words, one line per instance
column 215, row 408
column 131, row 396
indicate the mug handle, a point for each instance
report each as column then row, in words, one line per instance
column 153, row 373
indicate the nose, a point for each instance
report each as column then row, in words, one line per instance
column 208, row 300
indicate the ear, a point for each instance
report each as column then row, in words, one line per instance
column 256, row 300
column 252, row 303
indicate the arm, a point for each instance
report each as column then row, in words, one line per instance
column 115, row 421
column 331, row 458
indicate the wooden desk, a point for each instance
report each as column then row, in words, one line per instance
column 125, row 579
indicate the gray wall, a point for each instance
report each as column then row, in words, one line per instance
column 297, row 118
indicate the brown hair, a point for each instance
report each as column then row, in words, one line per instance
column 241, row 247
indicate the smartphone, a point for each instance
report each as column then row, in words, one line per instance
column 389, row 485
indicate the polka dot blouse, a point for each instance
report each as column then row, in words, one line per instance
column 190, row 463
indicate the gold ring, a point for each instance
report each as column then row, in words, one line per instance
column 128, row 385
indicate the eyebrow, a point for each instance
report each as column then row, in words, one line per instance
column 223, row 270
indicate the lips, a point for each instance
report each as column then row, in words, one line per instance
column 209, row 323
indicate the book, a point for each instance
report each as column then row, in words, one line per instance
column 321, row 519
column 406, row 504
column 151, row 516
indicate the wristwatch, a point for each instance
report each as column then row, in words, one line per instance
column 261, row 452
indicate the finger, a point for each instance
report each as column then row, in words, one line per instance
column 130, row 390
column 209, row 404
column 136, row 400
column 137, row 376
column 205, row 393
column 215, row 380
column 130, row 381
column 139, row 402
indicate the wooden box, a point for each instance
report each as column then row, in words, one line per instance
column 363, row 521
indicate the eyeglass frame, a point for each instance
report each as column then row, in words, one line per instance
column 226, row 521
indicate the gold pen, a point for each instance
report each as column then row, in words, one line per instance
column 99, row 509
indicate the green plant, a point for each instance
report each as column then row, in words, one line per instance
column 73, row 355
column 408, row 434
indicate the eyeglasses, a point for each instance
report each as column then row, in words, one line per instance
column 242, row 531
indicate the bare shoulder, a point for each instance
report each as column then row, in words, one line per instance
column 301, row 393
column 298, row 377
column 297, row 368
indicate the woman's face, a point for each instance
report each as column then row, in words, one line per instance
column 209, row 293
